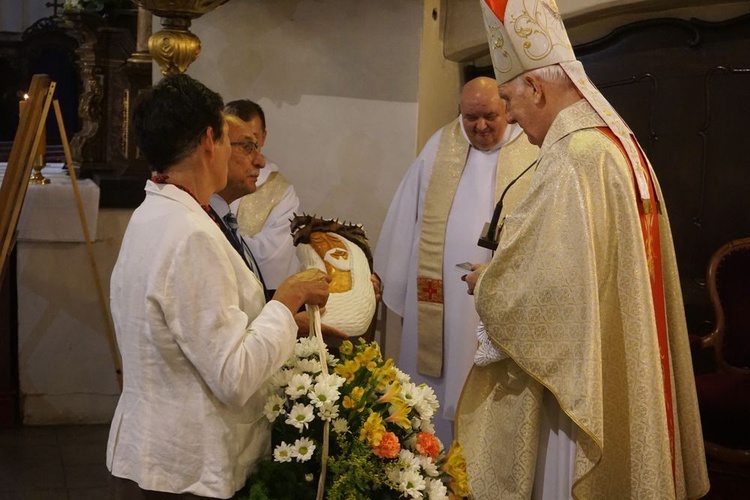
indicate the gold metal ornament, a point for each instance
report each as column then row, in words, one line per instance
column 37, row 178
column 174, row 48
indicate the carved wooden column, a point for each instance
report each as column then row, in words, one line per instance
column 112, row 72
column 83, row 27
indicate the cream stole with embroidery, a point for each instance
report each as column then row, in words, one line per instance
column 453, row 150
column 255, row 207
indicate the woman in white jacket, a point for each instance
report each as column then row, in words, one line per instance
column 196, row 336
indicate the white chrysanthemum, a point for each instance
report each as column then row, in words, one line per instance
column 340, row 426
column 279, row 378
column 299, row 385
column 416, row 423
column 402, row 377
column 410, row 393
column 328, row 411
column 331, row 379
column 300, row 415
column 427, row 403
column 332, row 360
column 428, row 466
column 282, row 453
column 411, row 483
column 392, row 473
column 322, row 394
column 274, row 407
column 427, row 426
column 310, row 365
column 436, row 490
column 303, row 449
column 306, row 347
column 309, row 478
column 408, row 459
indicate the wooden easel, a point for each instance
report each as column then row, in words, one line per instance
column 16, row 181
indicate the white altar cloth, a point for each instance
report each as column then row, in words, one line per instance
column 50, row 212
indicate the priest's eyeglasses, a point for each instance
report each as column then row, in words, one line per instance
column 248, row 147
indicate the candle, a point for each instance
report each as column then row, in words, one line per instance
column 42, row 149
column 22, row 106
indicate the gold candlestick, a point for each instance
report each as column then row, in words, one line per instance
column 175, row 47
column 36, row 178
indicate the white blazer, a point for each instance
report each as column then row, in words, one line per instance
column 197, row 344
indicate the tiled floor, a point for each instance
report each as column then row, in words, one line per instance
column 53, row 463
column 67, row 463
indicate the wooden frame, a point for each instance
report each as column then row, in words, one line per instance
column 25, row 145
column 16, row 181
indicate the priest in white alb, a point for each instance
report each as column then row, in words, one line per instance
column 433, row 224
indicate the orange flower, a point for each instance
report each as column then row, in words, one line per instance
column 389, row 446
column 428, row 445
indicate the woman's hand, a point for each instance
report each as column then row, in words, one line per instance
column 307, row 287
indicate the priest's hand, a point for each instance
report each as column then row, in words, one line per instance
column 472, row 278
column 377, row 286
column 307, row 287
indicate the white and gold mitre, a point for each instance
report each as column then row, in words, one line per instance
column 529, row 34
column 524, row 35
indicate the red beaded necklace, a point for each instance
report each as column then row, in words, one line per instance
column 162, row 179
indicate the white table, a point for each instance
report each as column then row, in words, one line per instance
column 50, row 212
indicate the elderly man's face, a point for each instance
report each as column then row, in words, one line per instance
column 256, row 126
column 483, row 118
column 244, row 164
column 519, row 108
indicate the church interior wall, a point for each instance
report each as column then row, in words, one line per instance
column 338, row 82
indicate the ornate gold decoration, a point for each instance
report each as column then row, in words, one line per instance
column 335, row 256
column 542, row 29
column 175, row 47
column 502, row 60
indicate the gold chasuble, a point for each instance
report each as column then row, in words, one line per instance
column 450, row 160
column 255, row 207
column 583, row 295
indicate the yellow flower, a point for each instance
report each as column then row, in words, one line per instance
column 369, row 356
column 391, row 393
column 346, row 348
column 455, row 466
column 385, row 374
column 399, row 414
column 372, row 430
column 353, row 400
column 348, row 369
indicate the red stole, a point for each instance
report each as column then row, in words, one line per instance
column 650, row 228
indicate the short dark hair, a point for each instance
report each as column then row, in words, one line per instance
column 246, row 110
column 170, row 118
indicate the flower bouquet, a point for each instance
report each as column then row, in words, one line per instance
column 362, row 431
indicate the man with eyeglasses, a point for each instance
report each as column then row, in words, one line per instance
column 264, row 215
column 244, row 167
